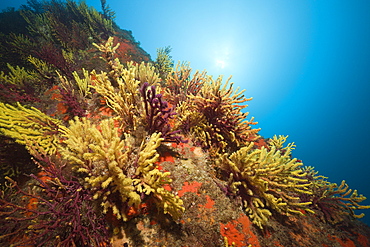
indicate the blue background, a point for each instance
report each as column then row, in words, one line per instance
column 305, row 63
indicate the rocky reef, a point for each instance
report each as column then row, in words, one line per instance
column 103, row 146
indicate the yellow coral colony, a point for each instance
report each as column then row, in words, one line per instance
column 106, row 161
column 336, row 201
column 18, row 76
column 120, row 87
column 349, row 199
column 278, row 141
column 180, row 83
column 266, row 180
column 151, row 180
column 102, row 157
column 30, row 127
column 220, row 125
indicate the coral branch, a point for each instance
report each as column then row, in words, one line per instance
column 332, row 202
column 158, row 114
column 59, row 212
column 119, row 176
column 265, row 181
column 29, row 126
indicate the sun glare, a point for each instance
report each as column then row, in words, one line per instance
column 221, row 54
column 220, row 63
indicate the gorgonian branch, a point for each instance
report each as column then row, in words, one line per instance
column 57, row 211
column 158, row 114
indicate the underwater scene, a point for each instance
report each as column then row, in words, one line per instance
column 103, row 145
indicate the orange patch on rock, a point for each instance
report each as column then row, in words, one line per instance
column 166, row 157
column 209, row 203
column 167, row 187
column 190, row 187
column 61, row 108
column 43, row 176
column 239, row 232
column 276, row 243
column 53, row 95
column 32, row 205
column 106, row 111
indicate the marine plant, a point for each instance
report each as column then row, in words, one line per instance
column 66, row 31
column 180, row 83
column 332, row 203
column 265, row 182
column 74, row 92
column 158, row 114
column 164, row 63
column 221, row 126
column 29, row 126
column 17, row 85
column 59, row 211
column 114, row 168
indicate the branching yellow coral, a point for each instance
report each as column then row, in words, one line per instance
column 349, row 198
column 164, row 62
column 144, row 72
column 266, row 180
column 332, row 202
column 278, row 141
column 102, row 156
column 17, row 76
column 152, row 180
column 120, row 87
column 225, row 127
column 43, row 68
column 114, row 65
column 81, row 84
column 108, row 47
column 125, row 101
column 112, row 166
column 30, row 127
column 180, row 83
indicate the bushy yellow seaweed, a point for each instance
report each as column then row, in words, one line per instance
column 278, row 141
column 103, row 157
column 332, row 202
column 124, row 101
column 163, row 62
column 225, row 127
column 180, row 83
column 83, row 83
column 151, row 180
column 17, row 76
column 349, row 198
column 120, row 87
column 144, row 72
column 265, row 181
column 30, row 127
column 108, row 51
column 42, row 67
column 112, row 166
